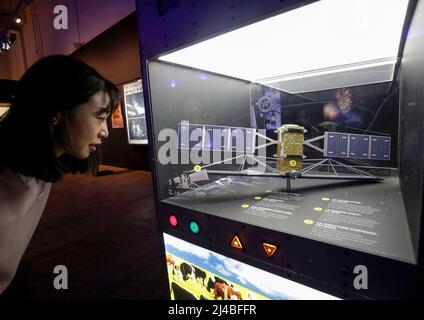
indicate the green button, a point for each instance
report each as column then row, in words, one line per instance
column 194, row 227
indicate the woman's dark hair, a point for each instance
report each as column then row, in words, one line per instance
column 52, row 85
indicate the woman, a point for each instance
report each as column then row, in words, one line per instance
column 54, row 126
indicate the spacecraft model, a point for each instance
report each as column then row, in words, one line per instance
column 289, row 161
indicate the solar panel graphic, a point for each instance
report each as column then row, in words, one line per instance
column 336, row 144
column 380, row 147
column 216, row 138
column 359, row 146
column 183, row 136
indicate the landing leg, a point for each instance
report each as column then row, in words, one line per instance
column 288, row 182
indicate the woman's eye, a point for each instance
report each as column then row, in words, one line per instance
column 102, row 119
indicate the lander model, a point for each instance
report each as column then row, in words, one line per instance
column 289, row 162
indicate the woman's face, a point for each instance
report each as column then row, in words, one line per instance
column 84, row 128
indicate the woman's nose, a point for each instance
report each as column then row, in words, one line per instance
column 104, row 132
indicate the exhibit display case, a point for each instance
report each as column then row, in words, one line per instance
column 286, row 141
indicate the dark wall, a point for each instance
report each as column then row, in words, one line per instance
column 7, row 89
column 411, row 124
column 115, row 55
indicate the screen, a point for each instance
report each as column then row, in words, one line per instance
column 196, row 273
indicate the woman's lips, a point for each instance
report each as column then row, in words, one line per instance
column 92, row 148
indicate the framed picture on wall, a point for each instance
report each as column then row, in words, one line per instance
column 117, row 117
column 135, row 113
column 4, row 107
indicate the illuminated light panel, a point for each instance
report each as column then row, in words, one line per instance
column 173, row 220
column 269, row 248
column 236, row 243
column 322, row 35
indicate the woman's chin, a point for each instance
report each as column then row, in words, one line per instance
column 81, row 155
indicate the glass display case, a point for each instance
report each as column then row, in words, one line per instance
column 293, row 129
column 352, row 154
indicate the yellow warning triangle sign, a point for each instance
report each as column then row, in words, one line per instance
column 269, row 248
column 236, row 243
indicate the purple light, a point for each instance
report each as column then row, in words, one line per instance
column 203, row 76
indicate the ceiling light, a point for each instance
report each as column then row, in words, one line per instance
column 6, row 41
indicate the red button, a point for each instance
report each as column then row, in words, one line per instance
column 173, row 220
